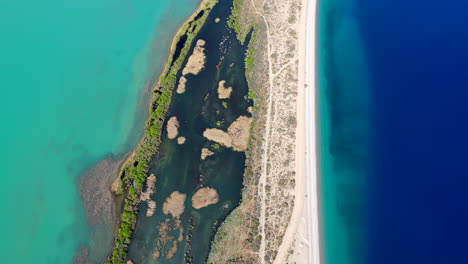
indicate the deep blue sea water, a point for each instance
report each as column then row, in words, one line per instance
column 412, row 206
column 418, row 56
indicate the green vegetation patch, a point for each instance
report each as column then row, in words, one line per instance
column 234, row 19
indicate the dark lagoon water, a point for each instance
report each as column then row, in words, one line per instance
column 393, row 78
column 179, row 167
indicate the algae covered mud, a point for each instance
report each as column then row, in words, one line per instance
column 196, row 177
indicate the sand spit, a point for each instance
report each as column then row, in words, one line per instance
column 206, row 153
column 224, row 92
column 205, row 197
column 146, row 195
column 218, row 136
column 172, row 127
column 181, row 85
column 239, row 131
column 196, row 61
column 175, row 204
column 181, row 140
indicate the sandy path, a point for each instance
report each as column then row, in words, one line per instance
column 266, row 143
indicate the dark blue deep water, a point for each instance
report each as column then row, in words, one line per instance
column 413, row 116
column 418, row 57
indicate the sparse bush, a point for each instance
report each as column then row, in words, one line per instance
column 252, row 95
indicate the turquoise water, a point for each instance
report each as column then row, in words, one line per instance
column 343, row 132
column 73, row 76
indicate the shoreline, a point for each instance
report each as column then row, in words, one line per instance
column 311, row 140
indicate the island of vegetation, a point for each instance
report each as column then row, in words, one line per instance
column 204, row 197
column 175, row 204
column 236, row 137
column 195, row 64
column 181, row 140
column 146, row 195
column 224, row 92
column 205, row 152
column 172, row 127
column 133, row 174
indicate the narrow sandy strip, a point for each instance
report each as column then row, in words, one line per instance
column 300, row 186
column 306, row 183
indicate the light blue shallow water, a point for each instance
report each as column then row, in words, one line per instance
column 343, row 107
column 72, row 74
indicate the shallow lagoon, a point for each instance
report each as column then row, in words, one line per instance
column 179, row 167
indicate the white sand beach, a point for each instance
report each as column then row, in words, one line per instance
column 311, row 138
column 302, row 233
column 305, row 214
